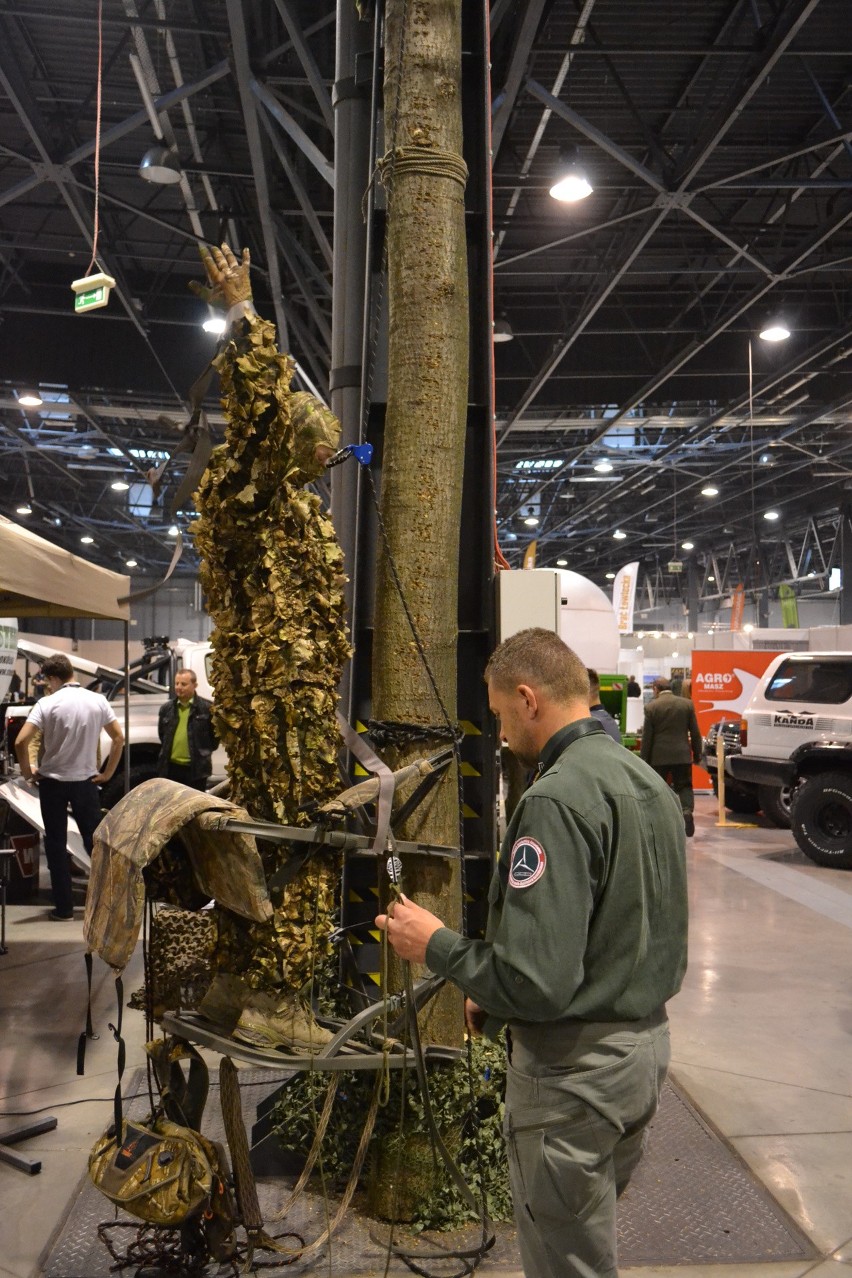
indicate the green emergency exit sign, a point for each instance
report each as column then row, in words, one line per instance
column 88, row 301
column 91, row 291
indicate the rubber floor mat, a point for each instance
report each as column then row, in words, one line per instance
column 691, row 1201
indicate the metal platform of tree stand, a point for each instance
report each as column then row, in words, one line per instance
column 344, row 1052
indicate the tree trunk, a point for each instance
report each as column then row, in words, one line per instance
column 425, row 423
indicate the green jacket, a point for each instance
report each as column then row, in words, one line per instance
column 588, row 911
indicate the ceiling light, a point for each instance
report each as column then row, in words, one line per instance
column 160, row 165
column 610, row 576
column 711, row 578
column 174, row 530
column 657, row 634
column 26, row 509
column 87, row 540
column 771, row 515
column 119, row 486
column 710, row 491
column 501, row 330
column 531, row 521
column 687, row 545
column 603, row 467
column 774, row 330
column 130, row 563
column 30, row 399
column 619, row 535
column 572, row 183
column 562, row 563
column 215, row 324
column 748, row 627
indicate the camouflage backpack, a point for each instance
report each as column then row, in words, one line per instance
column 163, row 1171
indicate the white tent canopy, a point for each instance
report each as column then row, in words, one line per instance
column 38, row 579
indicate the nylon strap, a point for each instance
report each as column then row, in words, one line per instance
column 356, row 745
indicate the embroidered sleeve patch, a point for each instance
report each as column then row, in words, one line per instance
column 527, row 863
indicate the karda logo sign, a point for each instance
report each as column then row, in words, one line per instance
column 792, row 721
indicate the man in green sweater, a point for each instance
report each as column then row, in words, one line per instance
column 586, row 940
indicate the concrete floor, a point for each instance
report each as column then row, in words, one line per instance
column 762, row 1042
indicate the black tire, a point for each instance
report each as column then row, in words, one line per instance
column 114, row 788
column 743, row 801
column 775, row 802
column 822, row 819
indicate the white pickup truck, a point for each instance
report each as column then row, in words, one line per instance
column 799, row 735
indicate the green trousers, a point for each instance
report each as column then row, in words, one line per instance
column 579, row 1096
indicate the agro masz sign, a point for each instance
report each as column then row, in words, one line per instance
column 722, row 684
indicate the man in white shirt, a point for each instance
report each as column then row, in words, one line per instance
column 70, row 720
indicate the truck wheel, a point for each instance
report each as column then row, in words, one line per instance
column 775, row 804
column 743, row 801
column 822, row 819
column 114, row 788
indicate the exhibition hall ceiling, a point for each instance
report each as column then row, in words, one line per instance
column 717, row 137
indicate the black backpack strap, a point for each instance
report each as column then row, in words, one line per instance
column 88, row 1032
column 183, row 1096
column 122, row 1056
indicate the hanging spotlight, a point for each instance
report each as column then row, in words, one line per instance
column 30, row 399
column 710, row 490
column 562, row 563
column 160, row 165
column 771, row 515
column 25, row 509
column 502, row 330
column 173, row 531
column 215, row 323
column 531, row 521
column 687, row 545
column 119, row 486
column 87, row 540
column 619, row 535
column 775, row 329
column 130, row 563
column 603, row 467
column 572, row 183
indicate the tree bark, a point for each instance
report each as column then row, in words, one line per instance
column 425, row 423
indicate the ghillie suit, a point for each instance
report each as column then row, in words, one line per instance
column 272, row 572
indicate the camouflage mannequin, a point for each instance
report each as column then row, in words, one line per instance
column 272, row 572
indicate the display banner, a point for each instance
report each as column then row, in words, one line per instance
column 529, row 554
column 8, row 652
column 624, row 595
column 722, row 684
column 789, row 607
column 737, row 606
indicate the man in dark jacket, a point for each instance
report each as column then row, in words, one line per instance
column 187, row 733
column 671, row 743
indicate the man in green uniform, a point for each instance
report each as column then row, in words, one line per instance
column 586, row 940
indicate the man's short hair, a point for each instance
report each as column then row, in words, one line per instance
column 663, row 685
column 594, row 679
column 57, row 667
column 540, row 659
column 185, row 670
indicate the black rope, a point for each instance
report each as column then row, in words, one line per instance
column 388, row 732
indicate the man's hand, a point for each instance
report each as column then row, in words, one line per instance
column 409, row 928
column 101, row 778
column 474, row 1017
column 229, row 280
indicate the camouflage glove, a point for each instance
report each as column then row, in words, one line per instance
column 229, row 282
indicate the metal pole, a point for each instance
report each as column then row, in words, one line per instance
column 351, row 102
column 126, row 707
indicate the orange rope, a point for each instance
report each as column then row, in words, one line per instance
column 98, row 135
